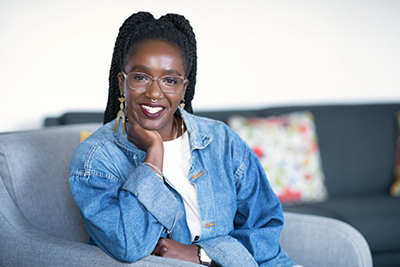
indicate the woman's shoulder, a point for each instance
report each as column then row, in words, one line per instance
column 218, row 130
column 207, row 123
column 100, row 136
column 104, row 154
column 99, row 141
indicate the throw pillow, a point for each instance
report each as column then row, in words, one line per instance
column 84, row 135
column 395, row 188
column 287, row 148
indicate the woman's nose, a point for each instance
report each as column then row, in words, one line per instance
column 154, row 90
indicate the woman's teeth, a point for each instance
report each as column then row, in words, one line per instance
column 152, row 110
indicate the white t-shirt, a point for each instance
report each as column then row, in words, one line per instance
column 176, row 170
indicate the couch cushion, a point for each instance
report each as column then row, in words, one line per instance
column 83, row 135
column 377, row 217
column 34, row 166
column 357, row 144
column 288, row 151
column 395, row 188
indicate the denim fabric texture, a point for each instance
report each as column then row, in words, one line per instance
column 126, row 208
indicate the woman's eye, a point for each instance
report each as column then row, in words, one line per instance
column 137, row 77
column 170, row 80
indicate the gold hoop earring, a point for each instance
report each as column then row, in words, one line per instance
column 120, row 115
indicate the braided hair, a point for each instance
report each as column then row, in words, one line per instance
column 140, row 27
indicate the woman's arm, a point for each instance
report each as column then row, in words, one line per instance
column 125, row 219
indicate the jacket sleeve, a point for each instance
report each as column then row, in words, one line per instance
column 125, row 218
column 257, row 223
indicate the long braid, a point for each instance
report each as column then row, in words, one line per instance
column 183, row 25
column 125, row 32
column 140, row 27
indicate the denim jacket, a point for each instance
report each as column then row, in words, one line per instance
column 126, row 208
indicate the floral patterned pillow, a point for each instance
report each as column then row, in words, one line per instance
column 395, row 188
column 288, row 151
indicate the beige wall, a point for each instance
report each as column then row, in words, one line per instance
column 55, row 55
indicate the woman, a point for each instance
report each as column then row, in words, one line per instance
column 159, row 180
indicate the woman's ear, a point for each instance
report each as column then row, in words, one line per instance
column 121, row 81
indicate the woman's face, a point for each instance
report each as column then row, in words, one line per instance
column 156, row 58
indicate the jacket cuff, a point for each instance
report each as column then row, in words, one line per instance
column 151, row 192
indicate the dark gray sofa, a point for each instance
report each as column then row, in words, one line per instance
column 357, row 145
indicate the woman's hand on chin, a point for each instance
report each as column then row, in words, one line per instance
column 149, row 141
column 142, row 138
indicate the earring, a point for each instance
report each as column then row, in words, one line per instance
column 120, row 115
column 182, row 104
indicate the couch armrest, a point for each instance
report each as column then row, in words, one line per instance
column 319, row 241
column 35, row 249
column 21, row 244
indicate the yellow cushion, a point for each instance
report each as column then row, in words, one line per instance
column 84, row 134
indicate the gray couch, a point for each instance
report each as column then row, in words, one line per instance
column 41, row 226
column 357, row 144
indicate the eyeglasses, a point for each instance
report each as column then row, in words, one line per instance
column 169, row 84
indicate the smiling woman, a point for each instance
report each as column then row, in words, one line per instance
column 153, row 104
column 157, row 180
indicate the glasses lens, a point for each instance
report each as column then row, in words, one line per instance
column 171, row 84
column 138, row 81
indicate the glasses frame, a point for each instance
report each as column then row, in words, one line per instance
column 158, row 80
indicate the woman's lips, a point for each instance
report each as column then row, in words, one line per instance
column 151, row 111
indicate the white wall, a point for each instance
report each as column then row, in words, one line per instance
column 55, row 55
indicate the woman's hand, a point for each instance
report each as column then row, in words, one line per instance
column 142, row 138
column 169, row 248
column 146, row 140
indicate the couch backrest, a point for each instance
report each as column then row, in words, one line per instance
column 34, row 167
column 357, row 143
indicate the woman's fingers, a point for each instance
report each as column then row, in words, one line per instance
column 169, row 248
column 161, row 248
column 141, row 137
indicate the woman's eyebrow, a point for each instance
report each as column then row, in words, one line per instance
column 172, row 71
column 147, row 69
